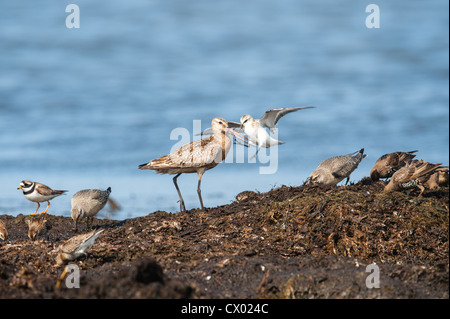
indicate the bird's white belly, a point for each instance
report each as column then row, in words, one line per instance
column 36, row 197
column 258, row 136
column 264, row 139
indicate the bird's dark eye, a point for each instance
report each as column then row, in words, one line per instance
column 245, row 121
column 220, row 122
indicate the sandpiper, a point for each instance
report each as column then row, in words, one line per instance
column 76, row 246
column 196, row 157
column 414, row 174
column 389, row 163
column 87, row 203
column 36, row 227
column 3, row 231
column 38, row 193
column 333, row 170
column 439, row 178
column 255, row 128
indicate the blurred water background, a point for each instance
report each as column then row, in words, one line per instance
column 82, row 108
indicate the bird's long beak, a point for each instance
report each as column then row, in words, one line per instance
column 20, row 187
column 236, row 134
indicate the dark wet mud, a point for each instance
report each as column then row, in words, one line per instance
column 291, row 242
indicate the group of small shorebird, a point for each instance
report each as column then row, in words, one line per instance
column 201, row 155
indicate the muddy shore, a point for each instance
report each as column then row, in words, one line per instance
column 291, row 242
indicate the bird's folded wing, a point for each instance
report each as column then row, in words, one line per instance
column 345, row 170
column 195, row 154
column 45, row 190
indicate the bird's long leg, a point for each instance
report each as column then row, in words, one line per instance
column 75, row 229
column 61, row 278
column 46, row 208
column 235, row 141
column 422, row 189
column 39, row 205
column 182, row 207
column 257, row 150
column 199, row 191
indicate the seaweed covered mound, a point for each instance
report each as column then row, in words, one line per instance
column 291, row 242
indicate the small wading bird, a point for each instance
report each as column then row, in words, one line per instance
column 76, row 246
column 3, row 231
column 36, row 227
column 414, row 174
column 389, row 163
column 333, row 170
column 196, row 157
column 439, row 178
column 255, row 128
column 87, row 203
column 38, row 193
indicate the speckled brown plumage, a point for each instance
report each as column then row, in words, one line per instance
column 196, row 157
column 3, row 231
column 76, row 246
column 414, row 174
column 36, row 226
column 389, row 163
column 438, row 179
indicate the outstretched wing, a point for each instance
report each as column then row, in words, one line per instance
column 271, row 117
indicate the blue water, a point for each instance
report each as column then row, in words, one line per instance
column 82, row 108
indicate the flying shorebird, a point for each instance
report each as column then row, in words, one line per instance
column 333, row 170
column 414, row 174
column 389, row 163
column 76, row 246
column 87, row 203
column 38, row 193
column 196, row 157
column 255, row 128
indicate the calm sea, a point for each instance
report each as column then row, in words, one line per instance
column 83, row 107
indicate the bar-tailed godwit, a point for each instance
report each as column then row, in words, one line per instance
column 196, row 157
